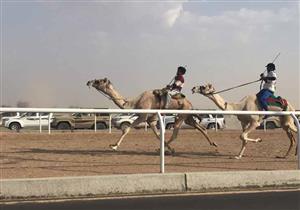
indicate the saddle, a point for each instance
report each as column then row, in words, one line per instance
column 277, row 101
column 161, row 94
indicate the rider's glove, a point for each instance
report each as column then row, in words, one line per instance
column 261, row 76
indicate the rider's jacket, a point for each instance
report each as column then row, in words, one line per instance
column 270, row 81
column 178, row 83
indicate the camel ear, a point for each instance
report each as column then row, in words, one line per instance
column 209, row 85
column 105, row 79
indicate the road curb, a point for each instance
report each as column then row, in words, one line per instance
column 137, row 184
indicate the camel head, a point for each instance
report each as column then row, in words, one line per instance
column 102, row 85
column 204, row 89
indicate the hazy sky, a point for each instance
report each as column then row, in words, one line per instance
column 50, row 49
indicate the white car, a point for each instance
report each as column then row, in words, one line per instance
column 5, row 116
column 122, row 121
column 206, row 120
column 29, row 119
column 210, row 120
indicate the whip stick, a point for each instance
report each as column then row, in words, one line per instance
column 276, row 57
column 248, row 83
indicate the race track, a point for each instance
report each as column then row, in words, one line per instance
column 32, row 155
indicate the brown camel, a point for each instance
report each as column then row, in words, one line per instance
column 148, row 100
column 249, row 122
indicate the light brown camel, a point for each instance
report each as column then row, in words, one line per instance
column 249, row 122
column 147, row 100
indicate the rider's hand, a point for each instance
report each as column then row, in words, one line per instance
column 262, row 76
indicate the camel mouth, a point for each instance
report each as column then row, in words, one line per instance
column 193, row 90
column 199, row 89
column 90, row 83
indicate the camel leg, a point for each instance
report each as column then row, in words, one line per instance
column 177, row 126
column 190, row 121
column 294, row 129
column 152, row 121
column 152, row 124
column 141, row 118
column 292, row 142
column 244, row 125
column 244, row 137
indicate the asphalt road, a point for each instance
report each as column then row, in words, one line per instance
column 284, row 200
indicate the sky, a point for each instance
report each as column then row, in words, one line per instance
column 50, row 49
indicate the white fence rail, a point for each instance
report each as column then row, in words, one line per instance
column 161, row 121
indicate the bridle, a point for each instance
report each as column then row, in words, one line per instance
column 213, row 95
column 109, row 97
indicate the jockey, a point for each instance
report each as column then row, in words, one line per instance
column 268, row 88
column 177, row 84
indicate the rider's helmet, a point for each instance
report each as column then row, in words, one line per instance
column 181, row 70
column 270, row 67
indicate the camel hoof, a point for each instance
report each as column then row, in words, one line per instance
column 236, row 157
column 113, row 147
column 214, row 144
column 167, row 152
column 259, row 140
column 172, row 151
column 281, row 157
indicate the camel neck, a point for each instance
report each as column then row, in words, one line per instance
column 118, row 99
column 222, row 104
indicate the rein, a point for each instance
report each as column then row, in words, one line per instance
column 105, row 95
column 248, row 83
column 110, row 98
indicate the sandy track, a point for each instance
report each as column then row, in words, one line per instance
column 29, row 155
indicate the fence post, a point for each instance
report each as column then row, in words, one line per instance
column 216, row 124
column 95, row 122
column 109, row 123
column 162, row 143
column 40, row 119
column 298, row 142
column 49, row 121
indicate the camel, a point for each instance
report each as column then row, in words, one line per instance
column 249, row 122
column 148, row 100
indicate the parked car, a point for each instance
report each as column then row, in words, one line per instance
column 209, row 121
column 122, row 121
column 29, row 119
column 272, row 122
column 80, row 121
column 5, row 116
column 206, row 120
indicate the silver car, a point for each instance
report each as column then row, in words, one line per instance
column 209, row 121
column 123, row 121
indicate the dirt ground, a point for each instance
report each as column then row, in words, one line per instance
column 30, row 155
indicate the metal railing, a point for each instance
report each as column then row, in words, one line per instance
column 161, row 120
